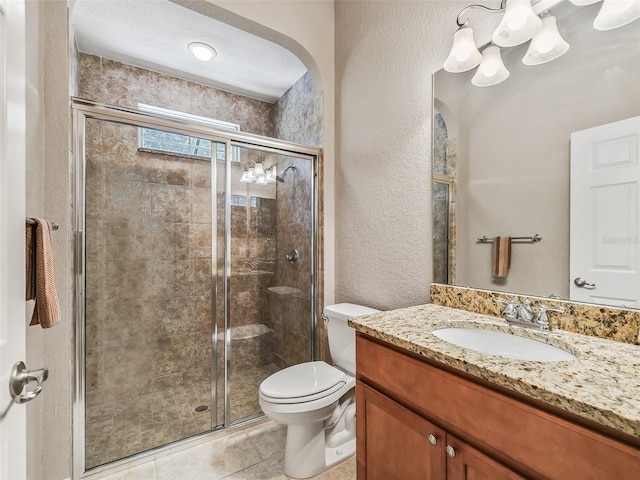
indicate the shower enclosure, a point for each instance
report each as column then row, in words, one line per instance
column 194, row 282
column 444, row 181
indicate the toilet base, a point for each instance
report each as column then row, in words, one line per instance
column 313, row 448
column 306, row 453
column 337, row 455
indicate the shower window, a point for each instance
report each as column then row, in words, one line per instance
column 152, row 140
column 173, row 143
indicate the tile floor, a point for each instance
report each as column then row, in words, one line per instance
column 254, row 453
column 115, row 430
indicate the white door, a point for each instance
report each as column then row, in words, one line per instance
column 12, row 205
column 605, row 244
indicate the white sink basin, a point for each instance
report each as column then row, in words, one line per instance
column 503, row 344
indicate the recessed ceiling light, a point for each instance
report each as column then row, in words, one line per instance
column 202, row 51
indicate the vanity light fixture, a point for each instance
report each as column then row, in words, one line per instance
column 519, row 24
column 547, row 44
column 258, row 174
column 248, row 176
column 202, row 51
column 491, row 70
column 259, row 170
column 616, row 13
column 272, row 173
column 613, row 13
column 464, row 54
column 262, row 180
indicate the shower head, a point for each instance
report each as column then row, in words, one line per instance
column 280, row 177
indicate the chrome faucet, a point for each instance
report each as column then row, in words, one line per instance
column 524, row 312
column 524, row 315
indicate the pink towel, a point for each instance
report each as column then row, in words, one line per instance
column 40, row 280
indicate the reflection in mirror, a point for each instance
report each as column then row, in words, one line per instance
column 503, row 156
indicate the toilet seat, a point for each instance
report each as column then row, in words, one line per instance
column 304, row 382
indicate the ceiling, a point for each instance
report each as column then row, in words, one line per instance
column 154, row 34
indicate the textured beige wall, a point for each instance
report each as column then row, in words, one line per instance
column 35, row 150
column 47, row 195
column 386, row 52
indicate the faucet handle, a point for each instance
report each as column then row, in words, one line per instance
column 541, row 317
column 506, row 301
column 543, row 309
column 510, row 309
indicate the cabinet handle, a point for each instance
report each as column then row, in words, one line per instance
column 433, row 440
column 450, row 451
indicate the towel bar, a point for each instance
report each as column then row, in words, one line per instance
column 533, row 239
column 31, row 221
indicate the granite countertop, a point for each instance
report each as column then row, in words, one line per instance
column 602, row 385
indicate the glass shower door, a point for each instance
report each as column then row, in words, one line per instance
column 193, row 282
column 270, row 224
column 149, row 293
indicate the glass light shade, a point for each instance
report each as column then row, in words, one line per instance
column 271, row 174
column 245, row 177
column 259, row 170
column 616, row 13
column 491, row 70
column 519, row 24
column 547, row 45
column 251, row 174
column 202, row 51
column 262, row 180
column 464, row 54
column 584, row 3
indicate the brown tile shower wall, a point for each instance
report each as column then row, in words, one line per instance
column 114, row 83
column 298, row 118
column 291, row 303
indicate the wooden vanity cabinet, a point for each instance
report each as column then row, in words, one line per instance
column 467, row 463
column 416, row 420
column 395, row 443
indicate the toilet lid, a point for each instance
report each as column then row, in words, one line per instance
column 303, row 380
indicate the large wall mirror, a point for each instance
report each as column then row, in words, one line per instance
column 506, row 165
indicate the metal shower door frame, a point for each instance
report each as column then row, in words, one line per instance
column 82, row 110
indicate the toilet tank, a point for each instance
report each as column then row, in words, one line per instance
column 342, row 338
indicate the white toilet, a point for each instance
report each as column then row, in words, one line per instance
column 317, row 401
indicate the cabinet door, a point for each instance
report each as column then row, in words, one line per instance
column 395, row 443
column 466, row 463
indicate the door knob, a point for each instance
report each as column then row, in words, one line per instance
column 450, row 451
column 582, row 283
column 20, row 377
column 433, row 440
